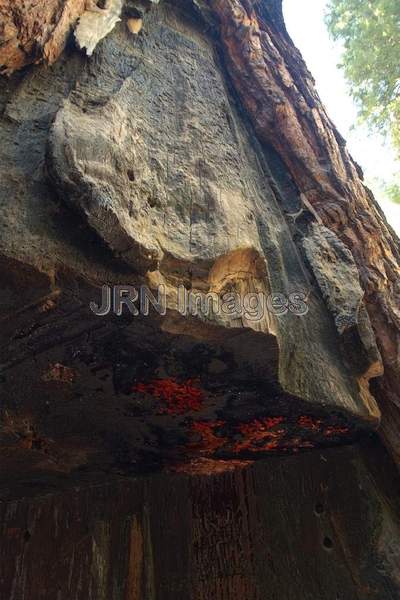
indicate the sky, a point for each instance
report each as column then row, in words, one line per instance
column 306, row 26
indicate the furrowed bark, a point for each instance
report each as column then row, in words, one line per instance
column 205, row 455
column 278, row 93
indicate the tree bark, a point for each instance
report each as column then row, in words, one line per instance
column 279, row 94
column 190, row 154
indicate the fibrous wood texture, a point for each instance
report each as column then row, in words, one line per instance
column 320, row 525
column 194, row 152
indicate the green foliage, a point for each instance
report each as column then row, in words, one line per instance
column 384, row 190
column 370, row 32
column 393, row 192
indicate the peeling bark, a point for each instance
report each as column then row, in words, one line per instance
column 34, row 32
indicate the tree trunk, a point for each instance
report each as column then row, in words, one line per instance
column 230, row 440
